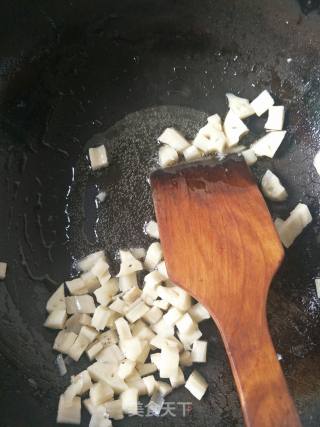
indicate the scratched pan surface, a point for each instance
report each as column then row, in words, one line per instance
column 76, row 74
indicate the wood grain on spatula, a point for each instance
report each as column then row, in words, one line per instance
column 220, row 245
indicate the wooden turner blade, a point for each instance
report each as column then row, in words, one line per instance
column 220, row 244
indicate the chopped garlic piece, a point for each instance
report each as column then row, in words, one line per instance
column 275, row 118
column 239, row 106
column 316, row 162
column 153, row 256
column 199, row 351
column 56, row 301
column 167, row 156
column 262, row 103
column 192, row 153
column 174, row 139
column 268, row 144
column 299, row 218
column 197, row 385
column 249, row 157
column 3, row 270
column 69, row 414
column 152, row 229
column 317, row 283
column 56, row 319
column 98, row 157
column 272, row 187
column 234, row 128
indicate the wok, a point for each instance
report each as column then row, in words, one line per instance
column 76, row 73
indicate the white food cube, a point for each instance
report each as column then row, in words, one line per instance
column 153, row 256
column 69, row 414
column 56, row 319
column 132, row 295
column 64, row 340
column 268, row 144
column 178, row 379
column 163, row 305
column 127, row 282
column 169, row 361
column 197, row 385
column 93, row 350
column 108, row 337
column 262, row 103
column 163, row 329
column 278, row 223
column 85, row 381
column 153, row 315
column 150, row 383
column 138, row 311
column 234, row 128
column 239, row 106
column 164, row 388
column 86, row 263
column 76, row 286
column 167, row 156
column 118, row 305
column 275, row 118
column 114, row 409
column 138, row 253
column 89, row 333
column 317, row 283
column 172, row 316
column 316, row 162
column 210, row 144
column 199, row 351
column 192, row 153
column 186, row 359
column 199, row 313
column 123, row 329
column 129, row 399
column 98, row 157
column 80, row 304
column 110, row 354
column 152, row 229
column 3, row 270
column 100, row 371
column 129, row 264
column 57, row 300
column 100, row 393
column 189, row 338
column 272, row 187
column 100, row 318
column 132, row 348
column 101, row 269
column 186, row 324
column 146, row 369
column 249, row 157
column 91, row 281
column 215, row 121
column 174, row 139
column 162, row 268
column 290, row 229
column 78, row 347
column 103, row 296
column 126, row 368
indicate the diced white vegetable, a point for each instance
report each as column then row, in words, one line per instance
column 56, row 301
column 167, row 156
column 3, row 270
column 169, row 361
column 80, row 304
column 132, row 295
column 85, row 264
column 78, row 347
column 100, row 393
column 56, row 319
column 138, row 253
column 100, row 318
column 98, row 157
column 89, row 333
column 178, row 379
column 186, row 324
column 129, row 264
column 275, row 118
column 111, row 354
column 234, row 128
column 125, row 368
column 100, row 418
column 153, row 315
column 249, row 157
column 164, row 305
column 174, row 139
column 199, row 313
column 132, row 348
column 185, row 359
column 316, row 162
column 199, row 351
column 176, row 296
column 100, row 371
column 72, row 390
column 197, row 385
column 118, row 305
column 163, row 329
column 127, row 282
column 164, row 388
column 210, row 142
column 123, row 329
column 235, row 149
column 192, row 153
column 268, row 144
column 145, row 350
column 108, row 337
column 85, row 380
column 102, row 295
column 156, row 359
column 299, row 218
column 129, row 399
column 140, row 330
column 64, row 341
column 152, row 229
column 172, row 316
column 91, row 281
column 154, row 278
column 76, row 321
column 239, row 106
column 158, row 342
column 89, row 406
column 150, row 383
column 215, row 121
column 138, row 311
column 278, row 223
column 262, row 103
column 94, row 349
column 76, row 286
column 272, row 187
column 317, row 283
column 69, row 414
column 116, row 383
column 162, row 268
column 146, row 369
column 189, row 338
column 114, row 409
column 61, row 365
column 101, row 269
column 153, row 256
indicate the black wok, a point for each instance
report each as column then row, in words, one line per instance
column 74, row 73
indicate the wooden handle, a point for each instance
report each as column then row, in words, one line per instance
column 263, row 391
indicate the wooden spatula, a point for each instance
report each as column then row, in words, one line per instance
column 220, row 245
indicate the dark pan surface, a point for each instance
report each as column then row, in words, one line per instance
column 72, row 74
